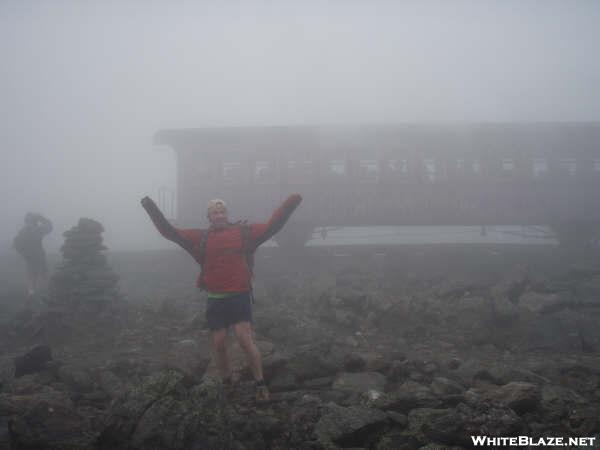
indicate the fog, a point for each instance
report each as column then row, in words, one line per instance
column 85, row 85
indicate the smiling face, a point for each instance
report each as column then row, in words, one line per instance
column 217, row 213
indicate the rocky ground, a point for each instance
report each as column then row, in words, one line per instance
column 383, row 348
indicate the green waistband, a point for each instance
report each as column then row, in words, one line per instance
column 222, row 294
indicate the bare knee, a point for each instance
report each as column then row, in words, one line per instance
column 243, row 333
column 220, row 340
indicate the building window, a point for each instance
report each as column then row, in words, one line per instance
column 336, row 168
column 430, row 169
column 568, row 166
column 368, row 171
column 265, row 172
column 508, row 165
column 397, row 166
column 540, row 167
column 232, row 173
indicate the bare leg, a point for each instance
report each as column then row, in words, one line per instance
column 243, row 333
column 219, row 339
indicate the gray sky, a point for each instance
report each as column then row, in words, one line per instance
column 84, row 85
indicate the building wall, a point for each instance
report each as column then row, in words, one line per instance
column 434, row 175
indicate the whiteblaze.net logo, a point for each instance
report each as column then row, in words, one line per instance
column 487, row 441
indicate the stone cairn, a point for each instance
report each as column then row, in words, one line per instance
column 84, row 278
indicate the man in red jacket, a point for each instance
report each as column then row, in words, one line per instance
column 224, row 252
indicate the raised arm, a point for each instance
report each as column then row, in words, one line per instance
column 184, row 238
column 263, row 232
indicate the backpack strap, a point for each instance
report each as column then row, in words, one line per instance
column 248, row 246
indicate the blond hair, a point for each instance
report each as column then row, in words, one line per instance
column 216, row 204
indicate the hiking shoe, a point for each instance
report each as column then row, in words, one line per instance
column 262, row 392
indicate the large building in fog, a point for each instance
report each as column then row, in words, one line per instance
column 409, row 174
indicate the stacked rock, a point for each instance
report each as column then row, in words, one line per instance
column 84, row 277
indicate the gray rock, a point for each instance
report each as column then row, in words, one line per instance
column 345, row 318
column 359, row 382
column 165, row 411
column 566, row 330
column 589, row 290
column 398, row 418
column 186, row 357
column 519, row 396
column 470, row 314
column 454, row 427
column 319, row 383
column 438, row 446
column 557, row 401
column 285, row 382
column 542, row 303
column 354, row 362
column 400, row 369
column 420, row 418
column 512, row 285
column 504, row 310
column 443, row 386
column 110, row 383
column 379, row 302
column 409, row 395
column 504, row 373
column 312, row 363
column 33, row 361
column 50, row 425
column 352, row 297
column 75, row 378
column 348, row 427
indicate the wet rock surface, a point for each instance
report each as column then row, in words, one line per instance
column 384, row 352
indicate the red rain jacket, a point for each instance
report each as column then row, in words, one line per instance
column 225, row 267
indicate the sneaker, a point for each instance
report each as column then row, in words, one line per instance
column 262, row 392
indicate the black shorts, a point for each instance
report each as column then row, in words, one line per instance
column 224, row 312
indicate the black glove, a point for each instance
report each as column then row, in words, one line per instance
column 146, row 201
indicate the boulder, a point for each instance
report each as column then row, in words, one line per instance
column 441, row 387
column 164, row 411
column 556, row 402
column 359, row 382
column 51, row 425
column 519, row 396
column 349, row 427
column 456, row 426
column 33, row 361
column 409, row 395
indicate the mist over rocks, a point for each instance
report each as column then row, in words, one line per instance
column 407, row 354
